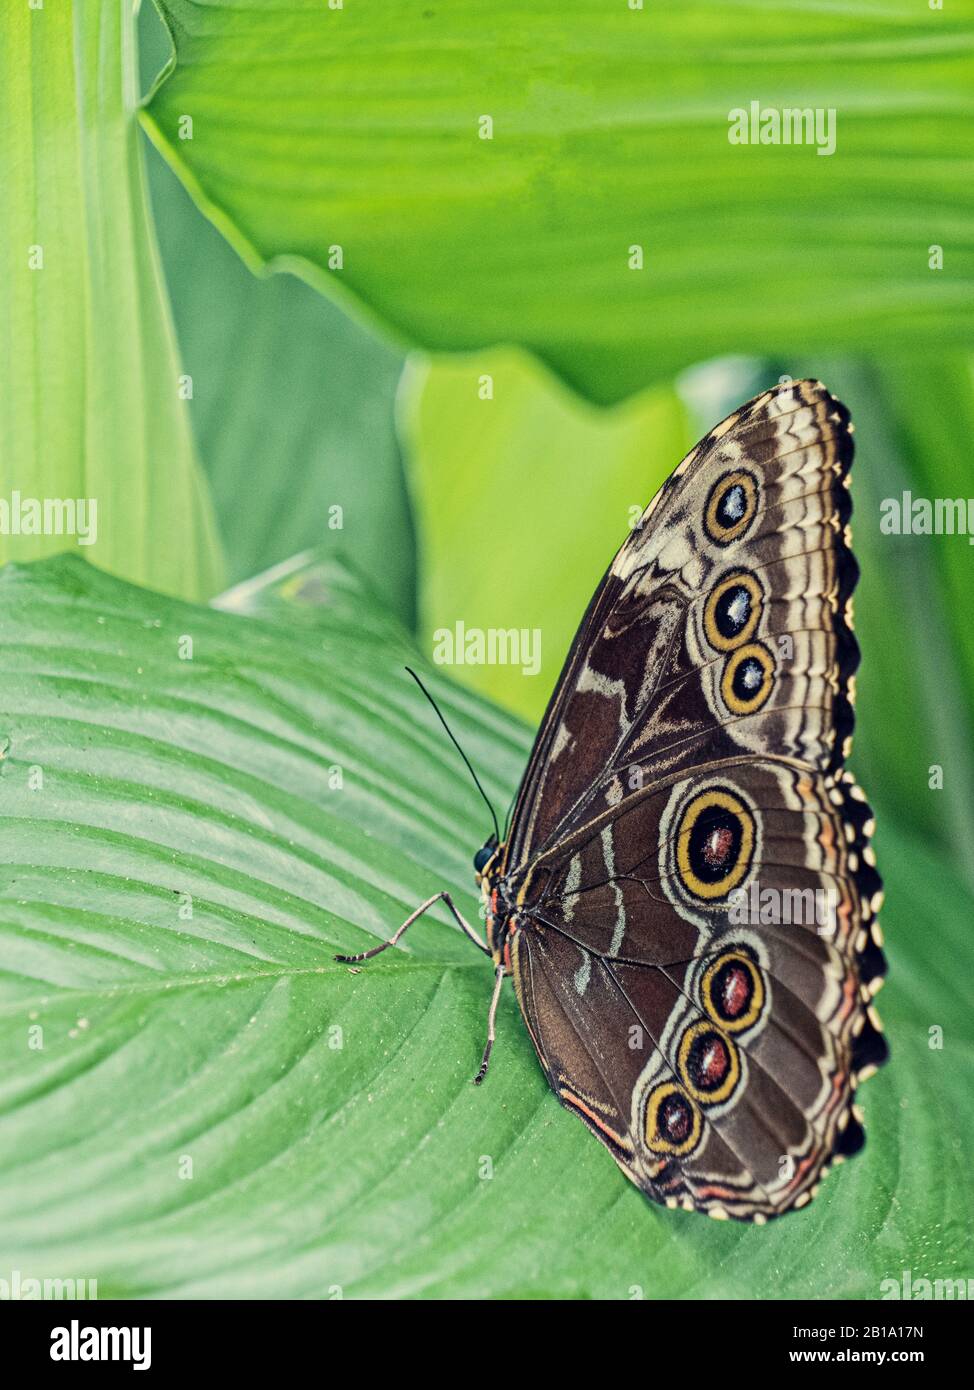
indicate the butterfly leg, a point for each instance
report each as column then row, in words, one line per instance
column 491, row 1017
column 423, row 907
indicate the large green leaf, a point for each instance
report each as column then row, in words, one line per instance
column 520, row 534
column 131, row 779
column 289, row 394
column 315, row 128
column 91, row 392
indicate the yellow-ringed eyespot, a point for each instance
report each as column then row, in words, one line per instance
column 731, row 506
column 747, row 678
column 714, row 844
column 732, row 611
column 732, row 991
column 673, row 1123
column 708, row 1063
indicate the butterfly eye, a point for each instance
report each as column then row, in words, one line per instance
column 483, row 856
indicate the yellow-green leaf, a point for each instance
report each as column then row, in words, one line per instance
column 561, row 174
column 93, row 407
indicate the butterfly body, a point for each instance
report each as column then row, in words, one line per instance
column 686, row 899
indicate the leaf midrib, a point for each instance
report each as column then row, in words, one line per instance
column 223, row 979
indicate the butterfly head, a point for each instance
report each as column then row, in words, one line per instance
column 481, row 860
column 498, row 912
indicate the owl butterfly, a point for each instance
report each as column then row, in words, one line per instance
column 687, row 897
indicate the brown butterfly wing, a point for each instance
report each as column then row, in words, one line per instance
column 713, row 1049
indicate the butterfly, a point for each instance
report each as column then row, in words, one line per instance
column 687, row 897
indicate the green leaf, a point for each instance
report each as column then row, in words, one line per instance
column 519, row 536
column 314, row 588
column 190, row 1125
column 289, row 394
column 91, row 406
column 311, row 132
column 293, row 399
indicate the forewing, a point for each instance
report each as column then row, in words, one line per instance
column 722, row 626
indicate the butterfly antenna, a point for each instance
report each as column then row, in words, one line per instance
column 463, row 755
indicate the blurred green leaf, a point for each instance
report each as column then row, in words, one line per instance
column 293, row 407
column 311, row 132
column 521, row 501
column 931, row 401
column 91, row 405
column 352, row 1160
column 293, row 401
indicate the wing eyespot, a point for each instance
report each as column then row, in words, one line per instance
column 732, row 991
column 709, row 1063
column 732, row 505
column 747, row 678
column 714, row 844
column 733, row 611
column 674, row 1124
